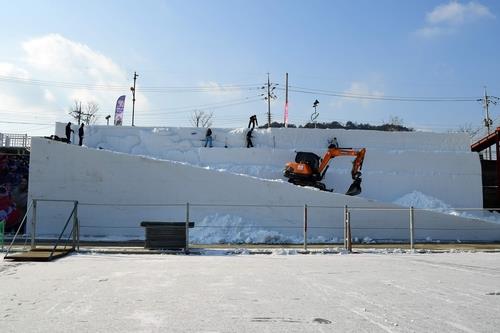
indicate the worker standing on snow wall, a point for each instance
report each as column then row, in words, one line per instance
column 333, row 143
column 249, row 138
column 208, row 138
column 68, row 132
column 253, row 122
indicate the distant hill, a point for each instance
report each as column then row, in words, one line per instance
column 348, row 125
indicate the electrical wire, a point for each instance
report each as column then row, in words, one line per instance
column 143, row 89
column 376, row 97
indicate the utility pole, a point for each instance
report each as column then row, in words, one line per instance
column 487, row 120
column 133, row 97
column 80, row 113
column 270, row 95
column 285, row 121
column 268, row 102
column 486, row 100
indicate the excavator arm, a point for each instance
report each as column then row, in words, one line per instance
column 357, row 164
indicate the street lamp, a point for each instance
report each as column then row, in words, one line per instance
column 315, row 114
column 107, row 119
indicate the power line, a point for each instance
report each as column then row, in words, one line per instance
column 209, row 108
column 376, row 97
column 150, row 89
column 23, row 123
column 228, row 88
column 214, row 105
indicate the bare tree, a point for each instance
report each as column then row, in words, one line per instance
column 395, row 120
column 467, row 128
column 201, row 118
column 86, row 113
column 90, row 116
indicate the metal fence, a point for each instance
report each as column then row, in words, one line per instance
column 284, row 224
column 15, row 140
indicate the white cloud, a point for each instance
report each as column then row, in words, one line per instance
column 7, row 69
column 431, row 32
column 357, row 89
column 218, row 90
column 447, row 18
column 54, row 58
column 457, row 13
column 66, row 58
column 48, row 95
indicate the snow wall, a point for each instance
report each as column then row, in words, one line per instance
column 440, row 165
column 116, row 191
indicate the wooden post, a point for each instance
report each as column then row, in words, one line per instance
column 33, row 226
column 186, row 249
column 412, row 235
column 305, row 227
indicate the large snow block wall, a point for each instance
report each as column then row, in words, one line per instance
column 440, row 165
column 116, row 191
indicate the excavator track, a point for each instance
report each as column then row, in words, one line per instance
column 302, row 182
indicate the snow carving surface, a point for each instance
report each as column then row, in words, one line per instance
column 417, row 199
column 396, row 163
column 125, row 175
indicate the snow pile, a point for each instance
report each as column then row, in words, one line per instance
column 226, row 228
column 420, row 200
column 417, row 199
column 221, row 229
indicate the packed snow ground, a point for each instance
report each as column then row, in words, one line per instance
column 450, row 292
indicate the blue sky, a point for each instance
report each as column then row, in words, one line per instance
column 54, row 52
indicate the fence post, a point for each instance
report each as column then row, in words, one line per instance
column 412, row 228
column 305, row 227
column 76, row 228
column 186, row 249
column 345, row 227
column 33, row 225
column 348, row 231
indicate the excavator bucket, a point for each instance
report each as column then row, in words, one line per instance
column 355, row 187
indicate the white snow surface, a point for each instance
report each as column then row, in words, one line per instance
column 125, row 175
column 396, row 163
column 449, row 292
column 417, row 199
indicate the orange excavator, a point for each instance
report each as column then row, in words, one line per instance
column 309, row 169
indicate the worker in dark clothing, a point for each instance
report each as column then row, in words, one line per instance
column 249, row 138
column 208, row 138
column 333, row 143
column 80, row 135
column 68, row 132
column 253, row 122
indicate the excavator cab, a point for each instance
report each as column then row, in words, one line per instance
column 309, row 158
